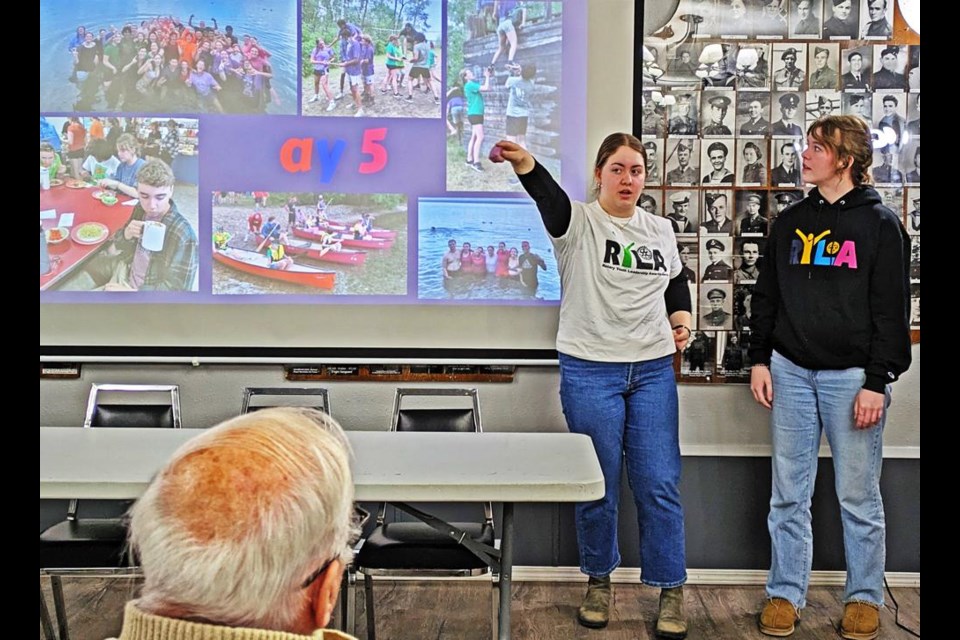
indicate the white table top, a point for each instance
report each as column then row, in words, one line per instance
column 422, row 467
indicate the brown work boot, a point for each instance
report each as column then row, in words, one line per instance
column 671, row 622
column 595, row 610
column 779, row 618
column 861, row 621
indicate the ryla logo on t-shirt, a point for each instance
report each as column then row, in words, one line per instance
column 821, row 250
column 632, row 257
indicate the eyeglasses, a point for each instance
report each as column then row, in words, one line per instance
column 316, row 574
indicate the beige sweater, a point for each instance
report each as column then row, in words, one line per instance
column 138, row 625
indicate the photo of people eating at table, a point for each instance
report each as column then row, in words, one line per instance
column 176, row 60
column 309, row 243
column 110, row 219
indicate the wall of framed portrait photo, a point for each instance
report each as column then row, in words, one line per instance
column 725, row 91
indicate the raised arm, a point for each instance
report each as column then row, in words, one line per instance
column 552, row 202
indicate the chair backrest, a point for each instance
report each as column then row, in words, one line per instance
column 139, row 407
column 255, row 398
column 139, row 410
column 438, row 418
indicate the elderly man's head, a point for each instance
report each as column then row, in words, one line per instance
column 235, row 528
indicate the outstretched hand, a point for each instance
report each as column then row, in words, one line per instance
column 521, row 159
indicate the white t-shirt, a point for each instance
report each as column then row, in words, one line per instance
column 613, row 280
column 100, row 170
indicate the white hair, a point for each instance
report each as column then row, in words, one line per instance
column 242, row 515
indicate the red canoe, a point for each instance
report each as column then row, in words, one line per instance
column 380, row 234
column 347, row 242
column 314, row 251
column 257, row 264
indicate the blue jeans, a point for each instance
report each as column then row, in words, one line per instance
column 806, row 402
column 629, row 410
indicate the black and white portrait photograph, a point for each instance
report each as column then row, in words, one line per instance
column 856, row 66
column 732, row 359
column 805, row 19
column 718, row 65
column 682, row 115
column 747, row 260
column 682, row 208
column 914, row 258
column 886, row 168
column 654, row 121
column 751, row 213
column 889, row 116
column 821, row 104
column 910, row 161
column 914, row 305
column 651, row 201
column 889, row 63
column 654, row 166
column 716, row 307
column 717, row 217
column 913, row 118
column 700, row 355
column 913, row 76
column 840, row 19
column 717, row 113
column 858, row 104
column 682, row 162
column 753, row 66
column 770, row 19
column 733, row 19
column 876, row 19
column 892, row 199
column 716, row 259
column 788, row 66
column 752, row 162
column 683, row 61
column 913, row 212
column 780, row 200
column 742, row 306
column 717, row 163
column 689, row 258
column 786, row 171
column 788, row 119
column 753, row 114
column 822, row 66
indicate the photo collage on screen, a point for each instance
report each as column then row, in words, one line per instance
column 357, row 166
column 729, row 91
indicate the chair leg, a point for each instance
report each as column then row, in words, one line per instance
column 56, row 585
column 494, row 606
column 45, row 620
column 368, row 605
column 348, row 602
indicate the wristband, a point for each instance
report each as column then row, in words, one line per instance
column 682, row 326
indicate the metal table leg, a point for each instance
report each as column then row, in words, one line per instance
column 506, row 570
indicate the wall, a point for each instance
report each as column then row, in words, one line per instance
column 725, row 484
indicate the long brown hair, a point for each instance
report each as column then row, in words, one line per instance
column 849, row 138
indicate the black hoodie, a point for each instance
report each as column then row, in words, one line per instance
column 834, row 288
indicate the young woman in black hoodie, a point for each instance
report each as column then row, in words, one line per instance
column 830, row 332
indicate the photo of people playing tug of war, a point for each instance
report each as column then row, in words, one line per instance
column 308, row 243
column 491, row 249
column 170, row 63
column 372, row 58
column 503, row 81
